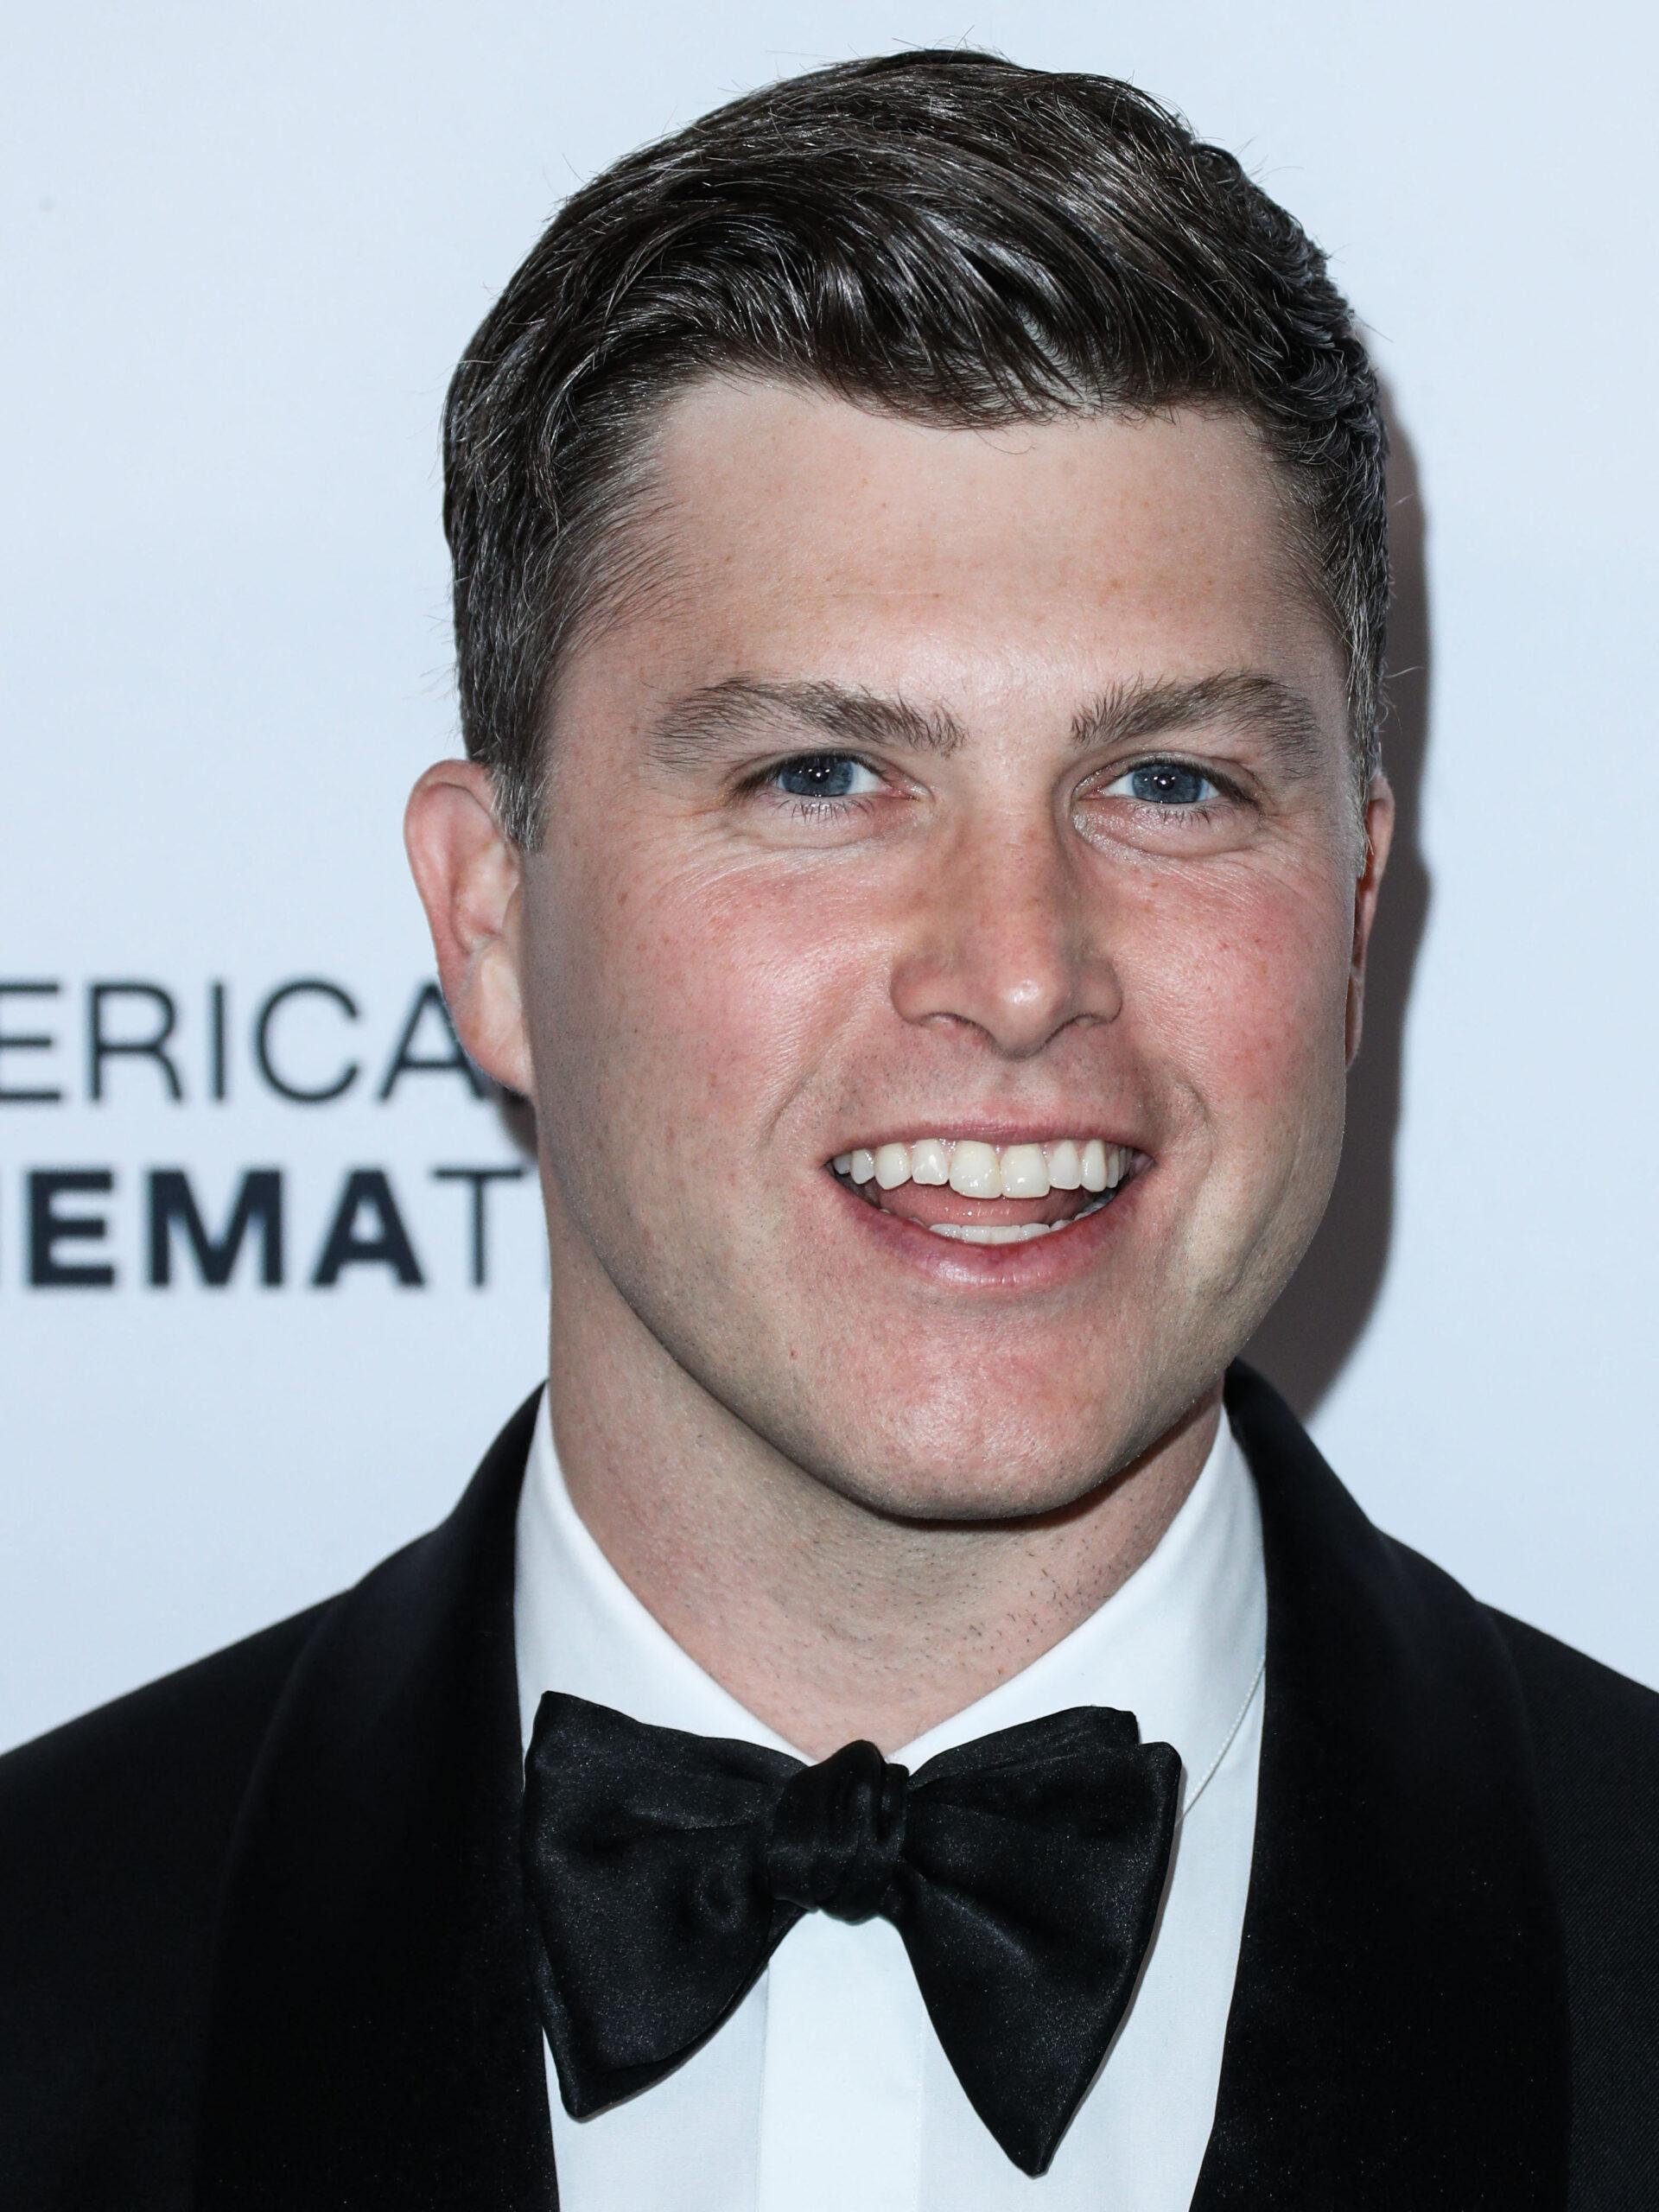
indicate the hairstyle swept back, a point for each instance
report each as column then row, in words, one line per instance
column 942, row 236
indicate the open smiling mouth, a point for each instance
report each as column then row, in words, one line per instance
column 981, row 1193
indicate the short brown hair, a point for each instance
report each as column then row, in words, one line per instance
column 943, row 236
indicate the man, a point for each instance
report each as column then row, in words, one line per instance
column 903, row 1719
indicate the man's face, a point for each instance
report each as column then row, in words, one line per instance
column 950, row 789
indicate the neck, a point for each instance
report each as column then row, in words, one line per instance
column 826, row 1619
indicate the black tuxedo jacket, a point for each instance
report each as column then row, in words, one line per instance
column 261, row 1941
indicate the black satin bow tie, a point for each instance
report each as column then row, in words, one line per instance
column 1023, row 1872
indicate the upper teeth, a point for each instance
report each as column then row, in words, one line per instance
column 988, row 1171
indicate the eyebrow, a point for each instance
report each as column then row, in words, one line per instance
column 720, row 716
column 1130, row 713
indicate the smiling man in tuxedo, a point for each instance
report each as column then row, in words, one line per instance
column 903, row 1719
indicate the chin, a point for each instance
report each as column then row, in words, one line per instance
column 996, row 1455
column 980, row 1463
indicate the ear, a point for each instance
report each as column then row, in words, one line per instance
column 469, row 874
column 1379, row 836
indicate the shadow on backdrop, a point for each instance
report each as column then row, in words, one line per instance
column 1310, row 1333
column 1305, row 1341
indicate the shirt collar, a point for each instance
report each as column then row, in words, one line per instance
column 1179, row 1644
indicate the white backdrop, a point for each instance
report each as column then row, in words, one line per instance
column 243, row 249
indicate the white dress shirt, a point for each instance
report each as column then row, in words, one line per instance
column 826, row 2091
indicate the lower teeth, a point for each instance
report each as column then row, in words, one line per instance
column 1020, row 1235
column 963, row 1235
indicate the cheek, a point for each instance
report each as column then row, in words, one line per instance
column 705, row 991
column 1248, row 997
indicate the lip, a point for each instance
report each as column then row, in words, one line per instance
column 1041, row 1263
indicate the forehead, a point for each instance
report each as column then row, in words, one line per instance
column 795, row 535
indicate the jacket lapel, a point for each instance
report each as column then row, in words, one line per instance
column 1398, row 2033
column 375, row 2041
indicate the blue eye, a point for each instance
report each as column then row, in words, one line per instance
column 822, row 776
column 1167, row 782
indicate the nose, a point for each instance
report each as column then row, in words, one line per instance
column 1005, row 934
